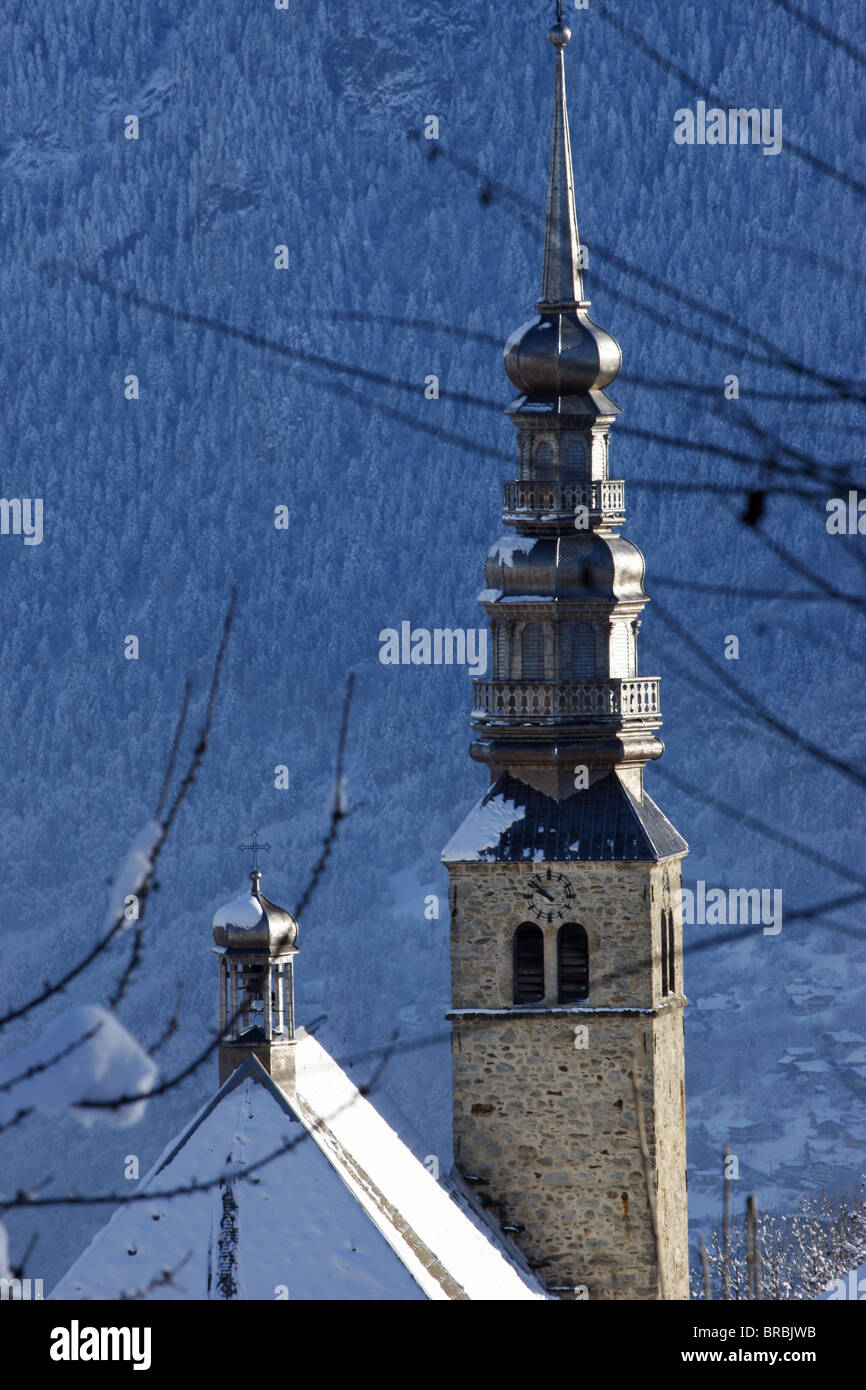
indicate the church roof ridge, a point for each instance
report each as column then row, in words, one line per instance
column 353, row 1213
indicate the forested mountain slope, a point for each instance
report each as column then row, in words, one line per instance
column 155, row 257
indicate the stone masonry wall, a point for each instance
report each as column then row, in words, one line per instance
column 544, row 1105
column 618, row 904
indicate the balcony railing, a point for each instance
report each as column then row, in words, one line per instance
column 538, row 501
column 542, row 700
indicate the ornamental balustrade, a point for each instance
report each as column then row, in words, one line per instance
column 564, row 699
column 536, row 500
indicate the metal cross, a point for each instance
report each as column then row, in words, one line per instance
column 254, row 846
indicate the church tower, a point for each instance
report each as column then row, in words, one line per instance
column 566, row 951
column 256, row 942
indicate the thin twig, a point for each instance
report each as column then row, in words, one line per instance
column 159, row 1281
column 705, row 1266
column 229, row 1174
column 119, row 923
column 753, row 1253
column 135, row 954
column 19, row 1268
column 726, row 1226
column 201, row 746
column 51, row 1061
column 175, row 748
column 338, row 812
column 171, row 1027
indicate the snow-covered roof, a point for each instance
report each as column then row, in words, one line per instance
column 252, row 922
column 345, row 1211
column 243, row 911
column 513, row 821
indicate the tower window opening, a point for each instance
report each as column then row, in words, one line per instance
column 572, row 459
column 524, row 457
column 528, row 964
column 620, row 664
column 544, row 461
column 503, row 653
column 532, row 652
column 672, row 955
column 665, row 974
column 572, row 964
column 599, row 456
column 577, row 652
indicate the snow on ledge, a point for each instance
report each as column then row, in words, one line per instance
column 573, row 1010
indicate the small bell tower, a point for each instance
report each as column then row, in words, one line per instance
column 257, row 943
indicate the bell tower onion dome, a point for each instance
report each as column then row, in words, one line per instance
column 256, row 942
column 562, row 352
column 253, row 923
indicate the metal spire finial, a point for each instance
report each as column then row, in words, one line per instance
column 255, row 846
column 577, row 359
column 561, row 281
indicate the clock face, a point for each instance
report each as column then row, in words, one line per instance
column 549, row 896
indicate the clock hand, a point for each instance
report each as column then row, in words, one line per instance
column 543, row 891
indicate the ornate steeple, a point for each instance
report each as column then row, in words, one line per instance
column 563, row 353
column 566, row 938
column 564, row 596
column 257, row 943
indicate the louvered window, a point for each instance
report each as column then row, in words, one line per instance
column 573, row 964
column 599, row 456
column 577, row 652
column 528, row 964
column 503, row 670
column 572, row 459
column 532, row 652
column 669, row 954
column 672, row 956
column 619, row 651
column 544, row 461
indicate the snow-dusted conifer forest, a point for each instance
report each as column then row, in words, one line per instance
column 303, row 388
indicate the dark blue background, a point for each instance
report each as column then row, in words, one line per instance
column 261, row 127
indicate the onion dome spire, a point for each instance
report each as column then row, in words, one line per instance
column 562, row 353
column 256, row 942
column 564, row 596
column 252, row 922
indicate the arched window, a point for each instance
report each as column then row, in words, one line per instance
column 524, row 456
column 543, row 461
column 665, row 973
column 599, row 456
column 620, row 660
column 503, row 655
column 672, row 955
column 532, row 652
column 572, row 459
column 572, row 950
column 528, row 964
column 576, row 652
